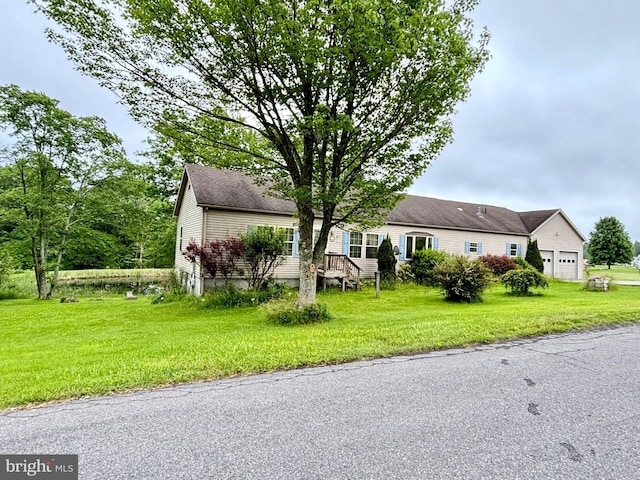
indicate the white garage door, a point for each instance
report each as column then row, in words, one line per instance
column 547, row 260
column 568, row 265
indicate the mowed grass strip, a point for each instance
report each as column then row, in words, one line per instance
column 53, row 351
column 616, row 272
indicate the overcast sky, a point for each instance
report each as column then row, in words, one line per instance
column 552, row 122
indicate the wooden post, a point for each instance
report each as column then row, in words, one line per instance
column 377, row 284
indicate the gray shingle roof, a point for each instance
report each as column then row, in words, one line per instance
column 225, row 188
column 234, row 190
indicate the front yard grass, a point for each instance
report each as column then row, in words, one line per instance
column 616, row 272
column 53, row 351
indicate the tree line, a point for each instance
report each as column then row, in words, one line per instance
column 70, row 198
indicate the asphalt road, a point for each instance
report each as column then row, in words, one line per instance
column 558, row 407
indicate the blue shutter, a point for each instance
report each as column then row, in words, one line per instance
column 519, row 250
column 435, row 243
column 479, row 248
column 296, row 242
column 345, row 243
column 508, row 249
column 380, row 238
column 251, row 229
column 403, row 243
column 466, row 247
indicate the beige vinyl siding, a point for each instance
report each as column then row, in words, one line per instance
column 189, row 223
column 222, row 224
column 559, row 238
column 452, row 241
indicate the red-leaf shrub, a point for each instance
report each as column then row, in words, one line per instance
column 498, row 265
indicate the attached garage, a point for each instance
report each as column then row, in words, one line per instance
column 568, row 265
column 547, row 260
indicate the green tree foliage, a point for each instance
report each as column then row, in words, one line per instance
column 521, row 280
column 423, row 264
column 265, row 247
column 533, row 256
column 6, row 268
column 386, row 262
column 609, row 243
column 54, row 162
column 349, row 101
column 636, row 248
column 463, row 280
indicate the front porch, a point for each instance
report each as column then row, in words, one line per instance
column 340, row 268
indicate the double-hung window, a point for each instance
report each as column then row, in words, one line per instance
column 513, row 249
column 473, row 247
column 372, row 245
column 289, row 236
column 355, row 244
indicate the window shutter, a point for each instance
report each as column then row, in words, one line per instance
column 519, row 250
column 479, row 248
column 380, row 238
column 466, row 247
column 345, row 243
column 251, row 229
column 403, row 243
column 435, row 243
column 296, row 242
column 508, row 249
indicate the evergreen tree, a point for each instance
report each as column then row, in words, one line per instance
column 533, row 256
column 386, row 261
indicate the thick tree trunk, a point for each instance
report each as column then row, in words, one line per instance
column 308, row 270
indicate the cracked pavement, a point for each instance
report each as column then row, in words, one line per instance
column 562, row 406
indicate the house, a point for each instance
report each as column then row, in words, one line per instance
column 216, row 204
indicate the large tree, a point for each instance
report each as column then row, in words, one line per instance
column 351, row 98
column 53, row 163
column 609, row 243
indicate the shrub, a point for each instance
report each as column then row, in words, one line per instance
column 533, row 256
column 423, row 263
column 386, row 262
column 461, row 279
column 265, row 247
column 498, row 265
column 217, row 256
column 521, row 280
column 522, row 263
column 230, row 296
column 405, row 275
column 285, row 312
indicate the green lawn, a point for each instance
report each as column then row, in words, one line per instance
column 53, row 351
column 616, row 272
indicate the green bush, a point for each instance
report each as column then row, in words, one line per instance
column 533, row 256
column 265, row 250
column 423, row 264
column 405, row 275
column 522, row 263
column 521, row 280
column 386, row 263
column 285, row 312
column 230, row 296
column 462, row 280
